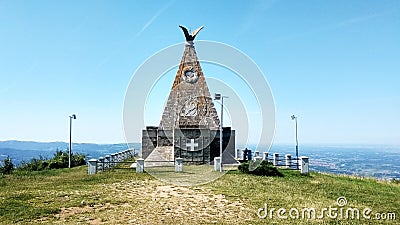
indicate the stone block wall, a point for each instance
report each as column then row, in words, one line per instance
column 149, row 140
column 194, row 145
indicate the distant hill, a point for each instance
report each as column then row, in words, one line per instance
column 26, row 150
column 52, row 146
column 32, row 145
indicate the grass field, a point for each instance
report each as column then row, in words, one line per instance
column 70, row 196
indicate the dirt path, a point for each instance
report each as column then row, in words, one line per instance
column 153, row 202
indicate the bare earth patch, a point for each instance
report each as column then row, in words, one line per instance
column 153, row 202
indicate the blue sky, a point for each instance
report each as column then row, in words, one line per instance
column 335, row 64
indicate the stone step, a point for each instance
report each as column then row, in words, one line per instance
column 160, row 156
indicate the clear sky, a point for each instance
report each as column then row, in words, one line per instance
column 335, row 64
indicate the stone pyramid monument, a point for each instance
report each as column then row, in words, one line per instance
column 189, row 127
column 189, row 104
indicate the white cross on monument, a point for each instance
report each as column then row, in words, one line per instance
column 192, row 145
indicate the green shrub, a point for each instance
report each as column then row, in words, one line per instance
column 244, row 167
column 54, row 164
column 264, row 169
column 394, row 180
column 59, row 160
column 78, row 160
column 7, row 166
column 34, row 164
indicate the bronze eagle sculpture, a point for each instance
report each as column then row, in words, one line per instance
column 190, row 37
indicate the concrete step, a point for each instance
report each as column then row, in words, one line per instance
column 160, row 156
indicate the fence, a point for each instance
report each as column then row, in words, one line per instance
column 109, row 161
column 286, row 161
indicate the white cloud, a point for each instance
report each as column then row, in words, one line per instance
column 152, row 19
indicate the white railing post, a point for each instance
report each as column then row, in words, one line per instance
column 178, row 165
column 107, row 161
column 101, row 164
column 288, row 160
column 92, row 166
column 217, row 163
column 113, row 159
column 304, row 165
column 275, row 159
column 265, row 156
column 123, row 155
column 139, row 165
column 119, row 156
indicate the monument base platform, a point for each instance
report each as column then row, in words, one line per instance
column 195, row 145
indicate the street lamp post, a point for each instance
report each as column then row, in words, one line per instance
column 297, row 142
column 73, row 116
column 218, row 96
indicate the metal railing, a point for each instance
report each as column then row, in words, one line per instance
column 110, row 161
column 282, row 161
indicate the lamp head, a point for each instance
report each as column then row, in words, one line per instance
column 217, row 96
column 293, row 117
column 73, row 116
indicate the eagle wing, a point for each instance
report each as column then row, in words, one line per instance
column 194, row 33
column 185, row 31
